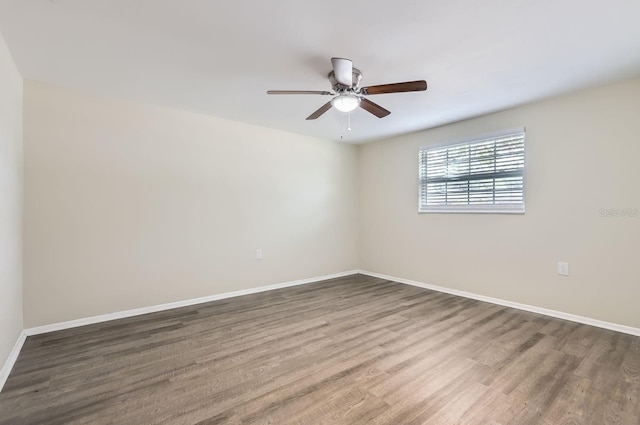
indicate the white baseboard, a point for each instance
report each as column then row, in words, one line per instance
column 168, row 306
column 11, row 360
column 533, row 309
column 6, row 369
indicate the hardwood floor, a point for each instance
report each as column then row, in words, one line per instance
column 354, row 350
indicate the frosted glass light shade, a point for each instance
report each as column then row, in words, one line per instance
column 345, row 102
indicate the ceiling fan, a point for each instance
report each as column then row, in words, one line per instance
column 348, row 95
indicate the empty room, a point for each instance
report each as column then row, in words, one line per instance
column 336, row 213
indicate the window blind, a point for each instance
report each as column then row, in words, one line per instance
column 480, row 176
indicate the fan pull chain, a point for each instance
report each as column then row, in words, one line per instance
column 349, row 124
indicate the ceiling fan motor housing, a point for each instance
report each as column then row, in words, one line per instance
column 339, row 88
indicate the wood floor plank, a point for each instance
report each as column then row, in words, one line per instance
column 354, row 350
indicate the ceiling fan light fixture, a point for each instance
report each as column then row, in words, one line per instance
column 348, row 95
column 345, row 102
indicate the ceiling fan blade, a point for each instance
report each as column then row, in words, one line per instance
column 374, row 108
column 420, row 85
column 324, row 108
column 326, row 93
column 343, row 71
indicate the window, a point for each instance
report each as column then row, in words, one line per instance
column 484, row 175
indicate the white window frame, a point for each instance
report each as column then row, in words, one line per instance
column 486, row 209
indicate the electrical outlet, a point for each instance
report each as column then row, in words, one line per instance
column 563, row 269
column 258, row 254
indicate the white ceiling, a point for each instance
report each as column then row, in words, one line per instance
column 219, row 58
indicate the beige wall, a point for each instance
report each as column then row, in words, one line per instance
column 582, row 154
column 131, row 205
column 10, row 203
